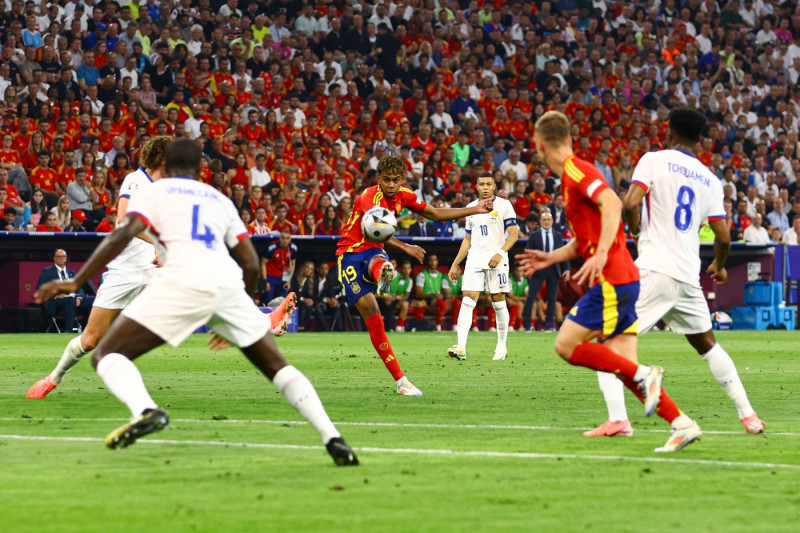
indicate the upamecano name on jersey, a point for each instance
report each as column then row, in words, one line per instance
column 202, row 192
column 689, row 173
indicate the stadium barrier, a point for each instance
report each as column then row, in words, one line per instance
column 23, row 255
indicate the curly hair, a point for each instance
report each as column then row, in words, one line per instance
column 152, row 155
column 391, row 164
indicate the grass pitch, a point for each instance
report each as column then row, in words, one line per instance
column 492, row 446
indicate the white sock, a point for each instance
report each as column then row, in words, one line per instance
column 300, row 393
column 724, row 371
column 502, row 319
column 614, row 392
column 464, row 321
column 682, row 422
column 72, row 354
column 641, row 372
column 124, row 380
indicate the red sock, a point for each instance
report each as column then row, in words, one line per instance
column 667, row 409
column 419, row 313
column 475, row 318
column 441, row 306
column 376, row 268
column 401, row 322
column 381, row 343
column 600, row 357
column 492, row 316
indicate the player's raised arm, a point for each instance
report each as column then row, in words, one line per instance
column 453, row 213
column 108, row 249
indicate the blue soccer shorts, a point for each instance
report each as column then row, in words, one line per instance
column 354, row 272
column 609, row 309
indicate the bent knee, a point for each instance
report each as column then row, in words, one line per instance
column 564, row 348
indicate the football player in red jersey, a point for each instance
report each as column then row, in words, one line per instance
column 364, row 267
column 607, row 311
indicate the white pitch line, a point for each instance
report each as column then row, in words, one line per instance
column 423, row 451
column 379, row 424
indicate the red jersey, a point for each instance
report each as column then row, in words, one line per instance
column 581, row 184
column 352, row 238
column 44, row 178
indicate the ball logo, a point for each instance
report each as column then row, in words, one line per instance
column 384, row 346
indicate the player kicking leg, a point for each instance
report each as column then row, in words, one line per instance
column 364, row 268
column 485, row 247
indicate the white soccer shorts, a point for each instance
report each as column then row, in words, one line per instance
column 492, row 280
column 174, row 311
column 682, row 306
column 119, row 288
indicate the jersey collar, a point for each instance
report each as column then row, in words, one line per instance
column 685, row 152
column 146, row 174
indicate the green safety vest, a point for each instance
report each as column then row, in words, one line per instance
column 455, row 288
column 461, row 157
column 400, row 286
column 518, row 287
column 433, row 282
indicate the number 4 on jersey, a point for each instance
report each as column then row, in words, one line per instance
column 207, row 236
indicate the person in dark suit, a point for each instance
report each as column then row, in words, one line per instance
column 303, row 286
column 68, row 303
column 326, row 289
column 422, row 228
column 556, row 208
column 547, row 239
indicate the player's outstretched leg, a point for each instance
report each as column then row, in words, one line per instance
column 501, row 312
column 99, row 321
column 279, row 317
column 617, row 424
column 724, row 371
column 300, row 394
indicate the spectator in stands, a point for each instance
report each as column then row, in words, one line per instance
column 109, row 222
column 9, row 219
column 63, row 212
column 755, row 232
column 277, row 266
column 792, row 235
column 82, row 196
column 77, row 220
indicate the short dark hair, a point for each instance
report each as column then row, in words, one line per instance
column 182, row 158
column 687, row 122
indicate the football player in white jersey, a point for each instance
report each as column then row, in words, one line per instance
column 679, row 194
column 200, row 283
column 486, row 249
column 127, row 275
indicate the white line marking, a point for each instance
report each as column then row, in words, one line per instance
column 422, row 451
column 380, row 424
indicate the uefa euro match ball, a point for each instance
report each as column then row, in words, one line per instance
column 379, row 224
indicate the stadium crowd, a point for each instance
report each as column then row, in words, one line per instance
column 294, row 102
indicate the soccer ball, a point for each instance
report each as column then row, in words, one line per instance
column 379, row 224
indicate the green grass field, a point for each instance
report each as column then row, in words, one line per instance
column 492, row 446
